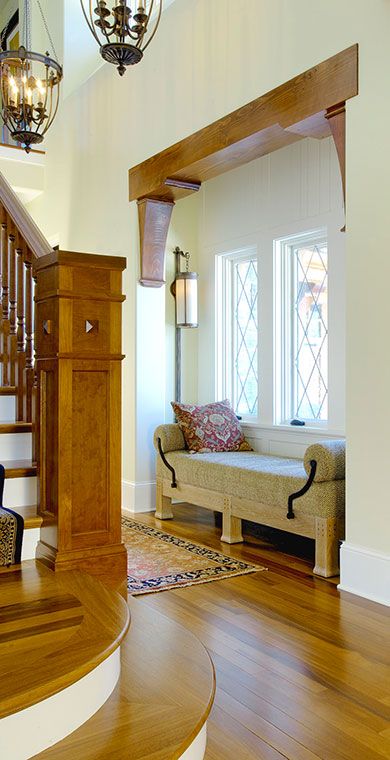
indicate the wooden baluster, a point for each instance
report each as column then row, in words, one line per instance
column 4, row 265
column 21, row 355
column 12, row 342
column 29, row 340
column 2, row 216
column 5, row 297
column 35, row 395
column 20, row 294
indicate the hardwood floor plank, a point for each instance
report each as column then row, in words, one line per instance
column 303, row 671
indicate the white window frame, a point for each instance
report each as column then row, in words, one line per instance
column 284, row 292
column 225, row 300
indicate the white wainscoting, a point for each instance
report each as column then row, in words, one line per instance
column 283, row 440
column 138, row 497
column 365, row 573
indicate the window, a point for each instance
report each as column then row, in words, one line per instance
column 280, row 330
column 237, row 297
column 301, row 297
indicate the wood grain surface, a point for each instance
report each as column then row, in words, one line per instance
column 303, row 672
column 54, row 629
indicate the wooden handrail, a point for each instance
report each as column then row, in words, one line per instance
column 22, row 220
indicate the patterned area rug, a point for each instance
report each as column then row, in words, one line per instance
column 158, row 561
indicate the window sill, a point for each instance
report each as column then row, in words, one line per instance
column 294, row 429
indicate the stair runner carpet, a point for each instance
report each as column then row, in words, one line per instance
column 11, row 531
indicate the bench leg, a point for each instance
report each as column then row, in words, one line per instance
column 327, row 547
column 163, row 504
column 231, row 526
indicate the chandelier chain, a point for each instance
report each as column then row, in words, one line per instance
column 47, row 29
column 26, row 31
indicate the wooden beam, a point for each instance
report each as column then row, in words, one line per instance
column 264, row 125
column 306, row 106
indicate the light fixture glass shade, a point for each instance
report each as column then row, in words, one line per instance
column 124, row 29
column 30, row 85
column 186, row 299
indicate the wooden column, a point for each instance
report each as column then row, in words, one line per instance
column 78, row 363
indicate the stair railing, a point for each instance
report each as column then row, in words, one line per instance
column 20, row 243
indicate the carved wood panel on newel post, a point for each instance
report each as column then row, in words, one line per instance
column 78, row 346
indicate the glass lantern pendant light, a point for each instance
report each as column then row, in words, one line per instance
column 30, row 87
column 124, row 32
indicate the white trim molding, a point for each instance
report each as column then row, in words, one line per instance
column 138, row 497
column 365, row 573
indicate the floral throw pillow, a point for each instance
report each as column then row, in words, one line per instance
column 213, row 427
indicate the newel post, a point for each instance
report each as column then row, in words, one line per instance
column 78, row 301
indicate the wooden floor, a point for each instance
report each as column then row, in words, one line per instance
column 302, row 670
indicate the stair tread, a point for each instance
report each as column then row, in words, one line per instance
column 29, row 514
column 19, row 468
column 7, row 390
column 15, row 427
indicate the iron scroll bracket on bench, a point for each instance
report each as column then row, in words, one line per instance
column 163, row 457
column 313, row 469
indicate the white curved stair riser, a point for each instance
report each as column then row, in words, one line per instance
column 196, row 750
column 25, row 733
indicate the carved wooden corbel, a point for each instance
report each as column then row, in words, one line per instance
column 154, row 218
column 336, row 118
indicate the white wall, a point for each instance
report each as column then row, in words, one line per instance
column 207, row 60
column 294, row 190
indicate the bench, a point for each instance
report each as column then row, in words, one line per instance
column 303, row 497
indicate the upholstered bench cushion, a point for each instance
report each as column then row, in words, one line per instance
column 257, row 477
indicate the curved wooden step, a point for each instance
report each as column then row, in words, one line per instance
column 54, row 629
column 162, row 702
column 19, row 468
column 7, row 390
column 30, row 516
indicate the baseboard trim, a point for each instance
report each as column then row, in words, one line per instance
column 138, row 497
column 365, row 573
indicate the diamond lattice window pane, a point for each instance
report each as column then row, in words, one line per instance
column 245, row 337
column 311, row 332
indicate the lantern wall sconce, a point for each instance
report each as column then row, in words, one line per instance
column 185, row 291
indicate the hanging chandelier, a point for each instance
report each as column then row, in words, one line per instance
column 30, row 87
column 123, row 33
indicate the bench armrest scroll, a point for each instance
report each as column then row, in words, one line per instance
column 171, row 438
column 330, row 458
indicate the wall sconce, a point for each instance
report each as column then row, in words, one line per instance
column 185, row 291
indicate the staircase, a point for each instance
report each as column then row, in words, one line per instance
column 20, row 243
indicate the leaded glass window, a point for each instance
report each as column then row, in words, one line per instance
column 238, row 330
column 245, row 337
column 310, row 331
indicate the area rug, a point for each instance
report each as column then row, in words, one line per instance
column 157, row 561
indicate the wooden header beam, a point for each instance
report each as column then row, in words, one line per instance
column 303, row 107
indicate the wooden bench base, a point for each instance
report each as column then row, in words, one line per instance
column 327, row 532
